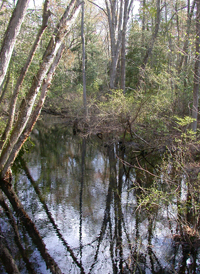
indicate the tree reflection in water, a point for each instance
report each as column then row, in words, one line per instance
column 75, row 209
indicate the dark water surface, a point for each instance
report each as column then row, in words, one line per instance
column 85, row 205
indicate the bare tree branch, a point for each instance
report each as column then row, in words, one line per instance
column 98, row 6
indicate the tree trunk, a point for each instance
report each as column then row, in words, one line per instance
column 3, row 91
column 143, row 20
column 24, row 70
column 83, row 62
column 196, row 70
column 35, row 115
column 9, row 151
column 10, row 36
column 123, row 49
column 115, row 39
column 185, row 46
column 117, row 13
column 127, row 8
column 7, row 259
column 28, row 103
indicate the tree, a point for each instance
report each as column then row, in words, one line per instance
column 31, row 105
column 13, row 101
column 196, row 70
column 117, row 14
column 69, row 77
column 145, row 39
column 185, row 46
column 127, row 8
column 154, row 36
column 10, row 37
column 83, row 60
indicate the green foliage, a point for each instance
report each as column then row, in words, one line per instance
column 190, row 135
column 117, row 105
column 153, row 198
column 135, row 54
column 183, row 124
column 2, row 126
column 187, row 120
column 163, row 90
column 174, row 186
column 94, row 87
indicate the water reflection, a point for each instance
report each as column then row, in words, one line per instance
column 85, row 214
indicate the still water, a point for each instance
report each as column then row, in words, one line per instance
column 86, row 207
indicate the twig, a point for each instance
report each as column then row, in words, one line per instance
column 141, row 168
column 140, row 138
column 98, row 7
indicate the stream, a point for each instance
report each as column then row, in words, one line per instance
column 83, row 195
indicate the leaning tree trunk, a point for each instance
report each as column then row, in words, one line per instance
column 196, row 70
column 13, row 101
column 35, row 114
column 20, row 131
column 6, row 257
column 10, row 37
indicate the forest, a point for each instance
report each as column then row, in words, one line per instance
column 127, row 71
column 135, row 72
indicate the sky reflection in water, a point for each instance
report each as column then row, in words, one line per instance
column 83, row 203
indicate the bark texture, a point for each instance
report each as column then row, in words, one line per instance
column 10, row 36
column 35, row 114
column 13, row 102
column 27, row 117
column 7, row 259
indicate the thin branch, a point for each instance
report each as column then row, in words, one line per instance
column 98, row 6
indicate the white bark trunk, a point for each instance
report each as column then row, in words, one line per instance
column 27, row 104
column 10, row 36
column 24, row 70
column 34, row 116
